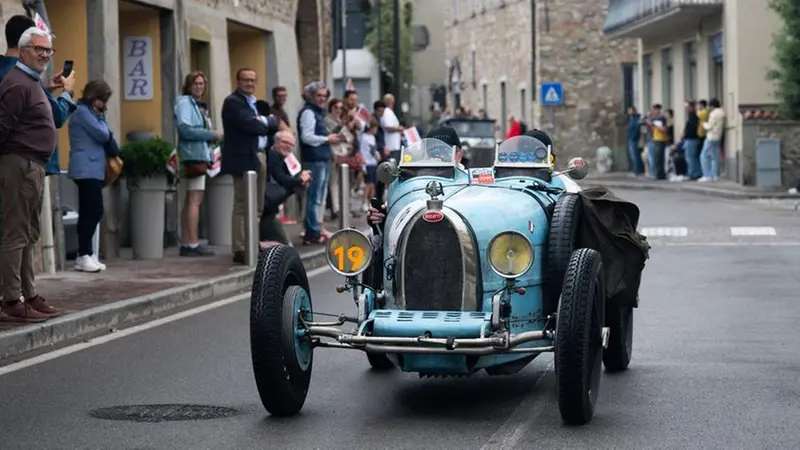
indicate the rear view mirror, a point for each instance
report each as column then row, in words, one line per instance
column 387, row 171
column 577, row 169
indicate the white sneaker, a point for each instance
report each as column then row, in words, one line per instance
column 97, row 260
column 793, row 190
column 703, row 179
column 86, row 263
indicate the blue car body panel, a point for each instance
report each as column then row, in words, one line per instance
column 488, row 209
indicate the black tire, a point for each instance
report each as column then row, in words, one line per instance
column 579, row 345
column 617, row 356
column 281, row 362
column 379, row 361
column 560, row 245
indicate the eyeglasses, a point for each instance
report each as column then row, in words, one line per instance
column 49, row 51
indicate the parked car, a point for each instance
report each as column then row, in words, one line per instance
column 477, row 140
column 472, row 270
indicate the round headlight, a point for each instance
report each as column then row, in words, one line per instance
column 510, row 254
column 349, row 252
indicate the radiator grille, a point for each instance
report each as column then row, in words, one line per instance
column 433, row 276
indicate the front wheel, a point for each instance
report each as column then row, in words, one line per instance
column 379, row 361
column 282, row 354
column 617, row 356
column 579, row 345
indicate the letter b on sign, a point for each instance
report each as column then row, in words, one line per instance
column 138, row 68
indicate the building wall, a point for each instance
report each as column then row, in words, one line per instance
column 140, row 115
column 573, row 51
column 569, row 48
column 501, row 39
column 429, row 64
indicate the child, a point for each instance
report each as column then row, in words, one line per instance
column 369, row 151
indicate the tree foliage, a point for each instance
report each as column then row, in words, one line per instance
column 385, row 53
column 786, row 56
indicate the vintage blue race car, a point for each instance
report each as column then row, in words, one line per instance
column 472, row 270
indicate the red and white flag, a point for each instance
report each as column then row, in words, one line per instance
column 412, row 135
column 350, row 85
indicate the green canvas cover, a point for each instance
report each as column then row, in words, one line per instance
column 609, row 225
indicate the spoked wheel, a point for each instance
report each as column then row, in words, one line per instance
column 617, row 356
column 282, row 355
column 579, row 345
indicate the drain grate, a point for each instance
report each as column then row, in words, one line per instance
column 163, row 413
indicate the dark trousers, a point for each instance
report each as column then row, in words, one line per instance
column 90, row 211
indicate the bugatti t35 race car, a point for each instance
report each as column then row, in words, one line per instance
column 472, row 270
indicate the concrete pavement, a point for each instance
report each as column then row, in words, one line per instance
column 715, row 366
column 131, row 291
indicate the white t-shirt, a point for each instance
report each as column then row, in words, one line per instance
column 367, row 145
column 388, row 119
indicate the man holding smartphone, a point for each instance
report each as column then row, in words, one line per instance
column 63, row 106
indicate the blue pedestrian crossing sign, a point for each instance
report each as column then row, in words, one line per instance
column 552, row 94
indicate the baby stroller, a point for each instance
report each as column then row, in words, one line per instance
column 676, row 162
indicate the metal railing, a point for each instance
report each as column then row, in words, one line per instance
column 623, row 12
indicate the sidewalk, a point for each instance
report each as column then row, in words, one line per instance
column 720, row 188
column 130, row 291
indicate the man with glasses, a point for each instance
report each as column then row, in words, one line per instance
column 315, row 152
column 246, row 136
column 63, row 105
column 27, row 138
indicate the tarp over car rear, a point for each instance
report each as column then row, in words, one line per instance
column 609, row 225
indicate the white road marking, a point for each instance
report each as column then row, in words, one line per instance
column 665, row 231
column 133, row 330
column 728, row 244
column 753, row 231
column 513, row 429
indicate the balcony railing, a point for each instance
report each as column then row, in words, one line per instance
column 624, row 13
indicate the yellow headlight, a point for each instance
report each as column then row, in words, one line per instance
column 510, row 254
column 349, row 252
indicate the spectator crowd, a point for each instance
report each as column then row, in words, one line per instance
column 253, row 135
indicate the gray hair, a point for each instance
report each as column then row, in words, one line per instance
column 27, row 36
column 312, row 88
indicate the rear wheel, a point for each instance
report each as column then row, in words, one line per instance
column 379, row 361
column 282, row 355
column 579, row 346
column 617, row 356
column 560, row 245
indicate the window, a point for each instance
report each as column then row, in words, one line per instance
column 523, row 104
column 666, row 77
column 647, row 88
column 629, row 85
column 503, row 107
column 474, row 71
column 717, row 54
column 690, row 71
column 486, row 99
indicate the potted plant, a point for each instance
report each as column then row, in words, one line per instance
column 145, row 169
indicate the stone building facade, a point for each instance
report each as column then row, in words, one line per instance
column 505, row 50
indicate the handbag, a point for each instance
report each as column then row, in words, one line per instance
column 195, row 169
column 113, row 170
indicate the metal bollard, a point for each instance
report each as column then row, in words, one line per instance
column 250, row 219
column 344, row 196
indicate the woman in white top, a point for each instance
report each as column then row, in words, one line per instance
column 709, row 156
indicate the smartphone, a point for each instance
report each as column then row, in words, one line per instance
column 67, row 69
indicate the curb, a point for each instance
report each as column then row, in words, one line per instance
column 680, row 187
column 124, row 312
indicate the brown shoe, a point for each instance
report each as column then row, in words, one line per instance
column 40, row 305
column 238, row 257
column 21, row 312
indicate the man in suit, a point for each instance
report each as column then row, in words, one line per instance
column 246, row 136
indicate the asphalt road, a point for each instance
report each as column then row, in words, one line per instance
column 716, row 365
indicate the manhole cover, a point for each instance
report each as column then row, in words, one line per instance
column 162, row 413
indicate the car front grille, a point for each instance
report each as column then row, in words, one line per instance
column 433, row 275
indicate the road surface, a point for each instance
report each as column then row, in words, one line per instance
column 715, row 366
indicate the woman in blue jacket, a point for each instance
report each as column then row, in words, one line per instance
column 194, row 134
column 91, row 142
